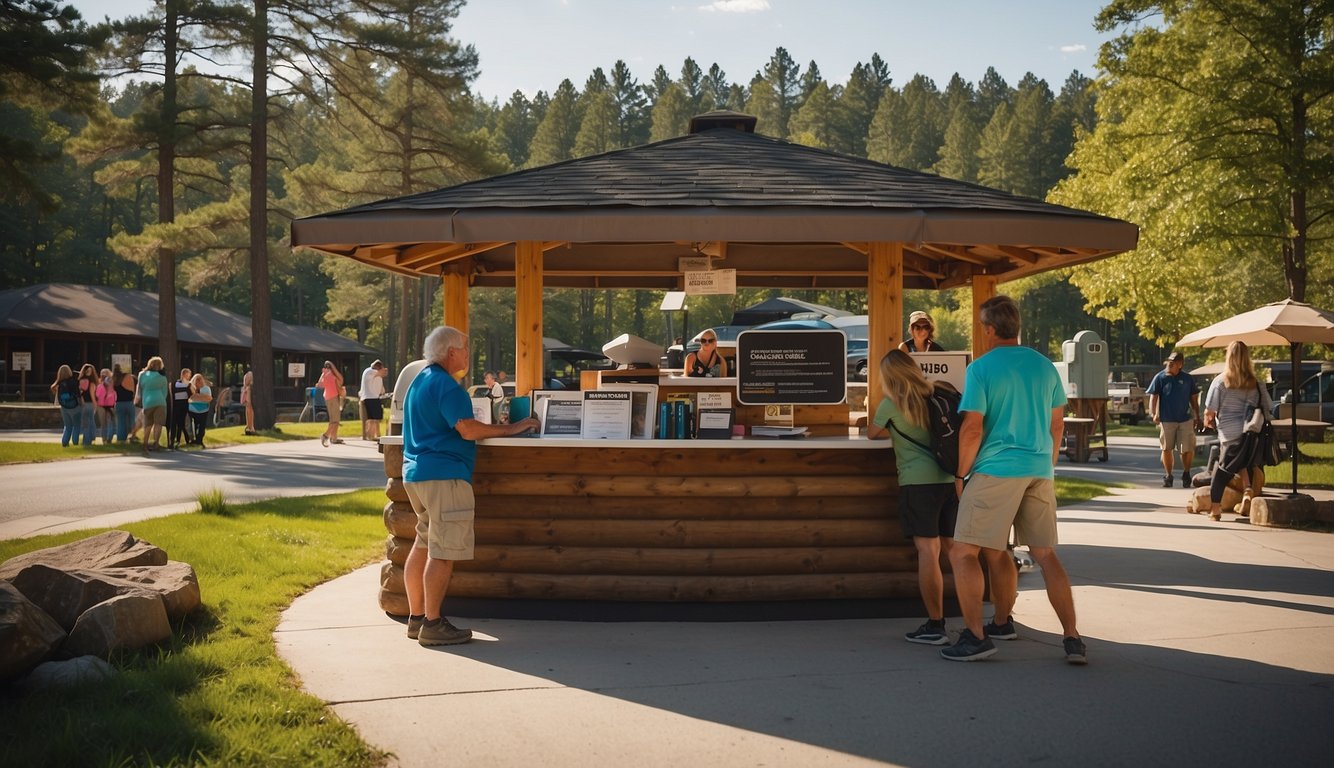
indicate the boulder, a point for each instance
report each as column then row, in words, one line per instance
column 124, row 622
column 27, row 634
column 175, row 582
column 1198, row 503
column 65, row 674
column 65, row 595
column 113, row 549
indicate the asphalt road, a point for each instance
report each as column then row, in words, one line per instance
column 55, row 496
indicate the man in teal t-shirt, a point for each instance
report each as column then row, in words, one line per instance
column 1013, row 419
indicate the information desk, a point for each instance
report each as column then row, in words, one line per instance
column 687, row 520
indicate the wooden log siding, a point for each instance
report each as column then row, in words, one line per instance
column 665, row 524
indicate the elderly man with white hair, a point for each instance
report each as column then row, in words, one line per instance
column 439, row 451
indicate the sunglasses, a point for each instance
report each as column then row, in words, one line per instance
column 921, row 327
column 708, row 341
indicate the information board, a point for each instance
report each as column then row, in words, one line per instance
column 802, row 367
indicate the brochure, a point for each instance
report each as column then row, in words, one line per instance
column 562, row 414
column 606, row 415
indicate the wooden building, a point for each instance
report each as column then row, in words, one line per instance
column 704, row 520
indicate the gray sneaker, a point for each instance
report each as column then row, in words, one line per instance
column 415, row 626
column 969, row 648
column 441, row 632
column 1074, row 651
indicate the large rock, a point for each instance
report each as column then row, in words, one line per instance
column 397, row 549
column 65, row 595
column 391, row 578
column 123, row 622
column 176, row 582
column 400, row 520
column 64, row 674
column 394, row 603
column 27, row 634
column 1198, row 503
column 113, row 549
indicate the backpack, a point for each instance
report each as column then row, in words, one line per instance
column 105, row 395
column 67, row 394
column 943, row 420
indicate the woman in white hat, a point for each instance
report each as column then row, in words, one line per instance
column 921, row 330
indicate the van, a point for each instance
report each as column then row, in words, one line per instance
column 1317, row 401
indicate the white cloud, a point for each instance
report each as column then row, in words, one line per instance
column 1076, row 48
column 736, row 6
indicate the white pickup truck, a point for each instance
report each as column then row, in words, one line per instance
column 1127, row 401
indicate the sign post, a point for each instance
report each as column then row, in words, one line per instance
column 23, row 364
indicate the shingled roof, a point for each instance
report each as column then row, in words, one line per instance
column 119, row 312
column 782, row 214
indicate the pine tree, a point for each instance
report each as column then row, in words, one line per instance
column 554, row 139
column 815, row 124
column 631, row 117
column 514, row 130
column 784, row 76
column 671, row 114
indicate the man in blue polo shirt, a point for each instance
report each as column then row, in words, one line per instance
column 438, row 457
column 1013, row 419
column 1174, row 402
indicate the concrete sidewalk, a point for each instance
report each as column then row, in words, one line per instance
column 1209, row 644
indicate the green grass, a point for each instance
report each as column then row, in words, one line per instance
column 217, row 693
column 14, row 452
column 1072, row 491
column 1144, row 429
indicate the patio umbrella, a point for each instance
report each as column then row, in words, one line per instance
column 1283, row 322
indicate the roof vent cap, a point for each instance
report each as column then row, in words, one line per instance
column 722, row 118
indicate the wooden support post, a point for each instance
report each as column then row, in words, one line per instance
column 984, row 287
column 527, row 317
column 884, row 306
column 454, row 289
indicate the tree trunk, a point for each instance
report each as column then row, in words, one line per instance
column 1294, row 251
column 261, row 326
column 168, row 347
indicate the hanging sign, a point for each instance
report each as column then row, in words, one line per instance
column 694, row 264
column 718, row 281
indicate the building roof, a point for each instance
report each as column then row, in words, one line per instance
column 121, row 312
column 782, row 214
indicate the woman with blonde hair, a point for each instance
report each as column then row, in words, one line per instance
column 928, row 506
column 1227, row 406
column 201, row 394
column 66, row 391
column 152, row 396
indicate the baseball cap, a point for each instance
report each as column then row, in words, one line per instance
column 1175, row 357
column 920, row 315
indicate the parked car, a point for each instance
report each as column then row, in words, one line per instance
column 1127, row 401
column 479, row 390
column 1317, row 403
column 858, row 352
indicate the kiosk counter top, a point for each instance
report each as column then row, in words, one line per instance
column 820, row 443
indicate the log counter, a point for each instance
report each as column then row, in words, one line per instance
column 687, row 521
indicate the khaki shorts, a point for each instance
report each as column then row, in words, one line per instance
column 444, row 517
column 334, row 406
column 991, row 505
column 155, row 416
column 1177, row 436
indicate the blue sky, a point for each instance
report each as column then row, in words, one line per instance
column 532, row 45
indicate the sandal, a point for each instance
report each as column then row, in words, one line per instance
column 1245, row 509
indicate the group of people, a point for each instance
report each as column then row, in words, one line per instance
column 1232, row 400
column 115, row 405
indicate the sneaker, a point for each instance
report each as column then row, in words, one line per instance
column 930, row 633
column 1167, row 481
column 337, row 441
column 1000, row 631
column 1185, row 479
column 441, row 632
column 324, row 440
column 1074, row 651
column 969, row 648
column 415, row 626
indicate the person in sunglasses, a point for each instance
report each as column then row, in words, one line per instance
column 707, row 361
column 921, row 332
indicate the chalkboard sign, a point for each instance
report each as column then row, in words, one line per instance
column 804, row 367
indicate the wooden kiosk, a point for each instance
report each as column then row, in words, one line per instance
column 703, row 520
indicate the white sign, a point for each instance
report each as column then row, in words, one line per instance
column 123, row 361
column 23, row 361
column 606, row 415
column 718, row 281
column 694, row 264
column 943, row 366
column 714, row 400
column 296, row 370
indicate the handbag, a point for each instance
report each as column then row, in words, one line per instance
column 1268, row 452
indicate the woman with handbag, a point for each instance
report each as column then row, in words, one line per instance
column 1231, row 402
